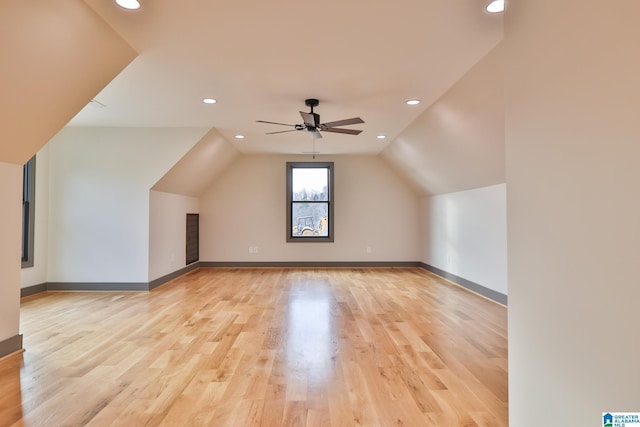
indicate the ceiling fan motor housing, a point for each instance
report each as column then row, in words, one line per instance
column 311, row 102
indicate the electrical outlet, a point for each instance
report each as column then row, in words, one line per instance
column 253, row 249
column 369, row 249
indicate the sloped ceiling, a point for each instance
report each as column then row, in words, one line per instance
column 197, row 169
column 261, row 60
column 56, row 55
column 458, row 143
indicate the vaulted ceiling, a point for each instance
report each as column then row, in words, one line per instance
column 261, row 60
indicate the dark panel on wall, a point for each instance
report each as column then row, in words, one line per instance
column 193, row 239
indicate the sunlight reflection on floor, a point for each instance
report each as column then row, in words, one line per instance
column 310, row 340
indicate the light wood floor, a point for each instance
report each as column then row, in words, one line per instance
column 270, row 347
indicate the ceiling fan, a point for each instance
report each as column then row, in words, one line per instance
column 311, row 123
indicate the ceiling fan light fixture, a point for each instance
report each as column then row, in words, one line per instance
column 413, row 102
column 129, row 4
column 496, row 6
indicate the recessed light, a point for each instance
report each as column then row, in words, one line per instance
column 209, row 101
column 239, row 136
column 413, row 102
column 496, row 6
column 129, row 4
column 381, row 136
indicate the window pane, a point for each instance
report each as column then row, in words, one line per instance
column 310, row 184
column 310, row 219
column 309, row 202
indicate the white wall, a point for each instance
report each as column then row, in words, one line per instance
column 99, row 199
column 37, row 274
column 167, row 231
column 246, row 206
column 10, row 226
column 466, row 235
column 573, row 144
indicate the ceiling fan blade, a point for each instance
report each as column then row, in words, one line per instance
column 273, row 123
column 345, row 131
column 310, row 119
column 307, row 118
column 344, row 122
column 315, row 134
column 281, row 131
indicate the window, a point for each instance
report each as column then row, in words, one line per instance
column 28, row 211
column 309, row 202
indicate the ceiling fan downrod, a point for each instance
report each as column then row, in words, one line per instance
column 311, row 102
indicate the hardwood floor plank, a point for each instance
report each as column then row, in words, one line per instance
column 262, row 347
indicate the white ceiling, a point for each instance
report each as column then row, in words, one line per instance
column 261, row 60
